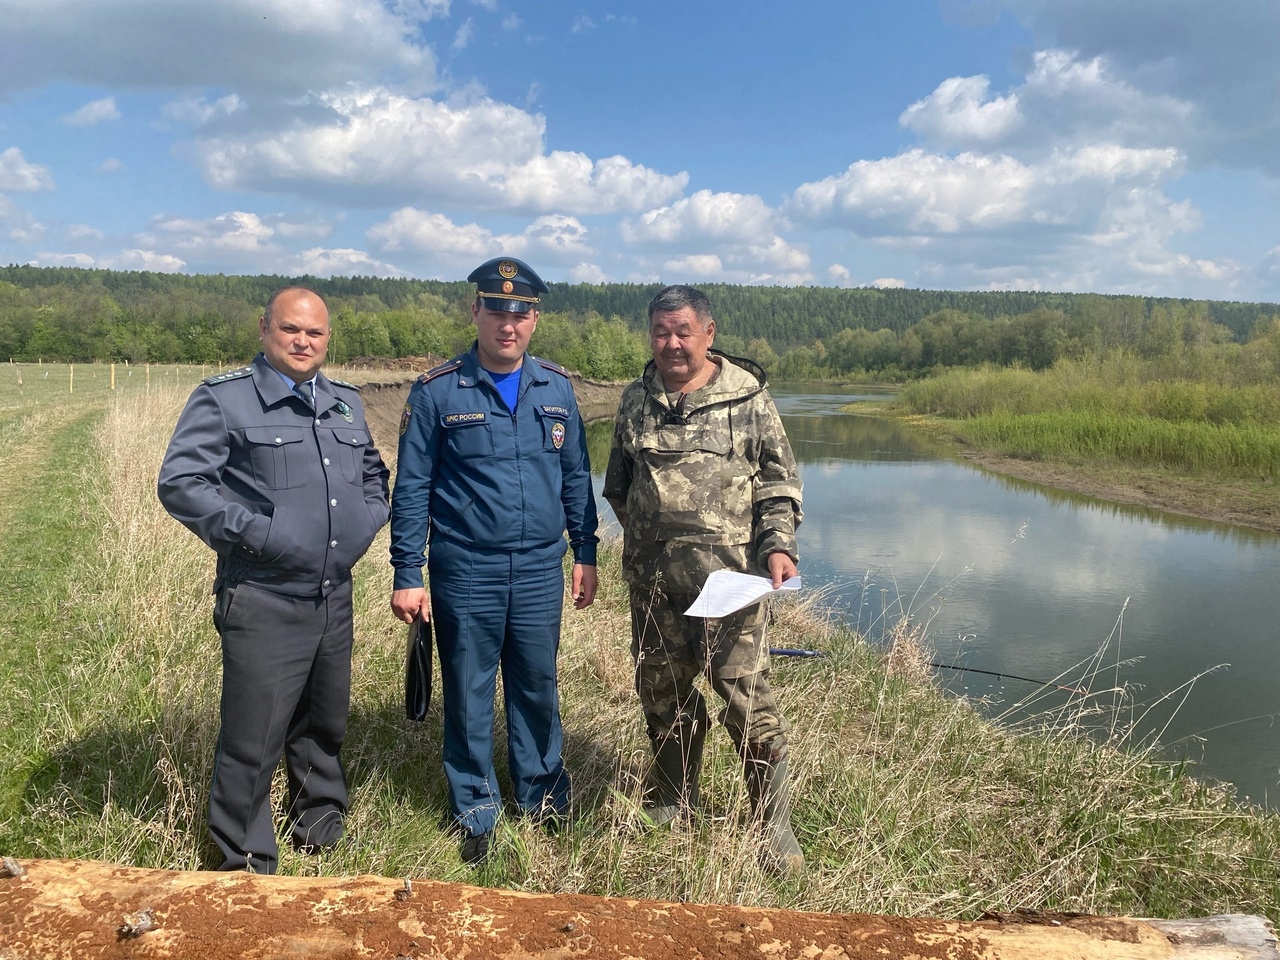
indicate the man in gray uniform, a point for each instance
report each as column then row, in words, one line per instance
column 273, row 467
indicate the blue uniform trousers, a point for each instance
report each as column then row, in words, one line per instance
column 491, row 608
column 286, row 685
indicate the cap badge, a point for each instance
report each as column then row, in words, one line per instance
column 507, row 286
column 557, row 435
column 507, row 269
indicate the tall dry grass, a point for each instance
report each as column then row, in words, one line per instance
column 906, row 801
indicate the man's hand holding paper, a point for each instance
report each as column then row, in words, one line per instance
column 727, row 591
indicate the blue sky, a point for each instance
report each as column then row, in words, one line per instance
column 1117, row 146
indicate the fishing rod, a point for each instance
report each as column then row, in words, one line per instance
column 789, row 652
column 1009, row 676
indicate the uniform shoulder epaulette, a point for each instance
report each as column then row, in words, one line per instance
column 343, row 383
column 440, row 370
column 230, row 375
column 553, row 367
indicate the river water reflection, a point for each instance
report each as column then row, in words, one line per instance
column 1020, row 579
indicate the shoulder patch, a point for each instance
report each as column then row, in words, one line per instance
column 440, row 370
column 553, row 367
column 343, row 383
column 230, row 375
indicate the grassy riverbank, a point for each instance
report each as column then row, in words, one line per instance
column 1114, row 429
column 906, row 800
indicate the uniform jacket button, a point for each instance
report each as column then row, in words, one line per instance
column 333, row 503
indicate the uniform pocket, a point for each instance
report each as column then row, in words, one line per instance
column 691, row 484
column 276, row 453
column 554, row 420
column 222, row 606
column 467, row 435
column 351, row 443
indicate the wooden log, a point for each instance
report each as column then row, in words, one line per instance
column 84, row 909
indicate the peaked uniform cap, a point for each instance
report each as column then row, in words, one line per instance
column 505, row 283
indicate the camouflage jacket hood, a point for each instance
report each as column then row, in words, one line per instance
column 739, row 379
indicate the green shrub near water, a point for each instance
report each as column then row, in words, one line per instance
column 1109, row 410
column 1245, row 450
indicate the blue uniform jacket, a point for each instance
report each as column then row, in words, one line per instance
column 472, row 471
column 289, row 501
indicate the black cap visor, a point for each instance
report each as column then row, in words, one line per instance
column 506, row 305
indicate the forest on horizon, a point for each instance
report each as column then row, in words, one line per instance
column 78, row 315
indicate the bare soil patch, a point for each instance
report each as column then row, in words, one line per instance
column 83, row 909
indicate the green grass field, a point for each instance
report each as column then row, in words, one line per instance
column 906, row 801
column 1078, row 412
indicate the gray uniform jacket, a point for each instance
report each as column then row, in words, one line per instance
column 288, row 500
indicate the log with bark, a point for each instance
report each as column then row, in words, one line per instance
column 83, row 909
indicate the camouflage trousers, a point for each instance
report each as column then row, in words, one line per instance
column 670, row 652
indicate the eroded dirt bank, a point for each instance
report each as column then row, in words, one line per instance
column 86, row 909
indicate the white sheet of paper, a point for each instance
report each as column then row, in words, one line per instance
column 726, row 591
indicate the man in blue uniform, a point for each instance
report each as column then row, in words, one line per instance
column 493, row 465
column 273, row 467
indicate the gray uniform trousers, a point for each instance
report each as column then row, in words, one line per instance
column 286, row 681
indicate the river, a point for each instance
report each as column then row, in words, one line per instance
column 1171, row 624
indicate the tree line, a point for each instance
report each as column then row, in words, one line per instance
column 76, row 315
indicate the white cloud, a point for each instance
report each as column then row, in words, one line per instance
column 237, row 240
column 197, row 111
column 463, row 37
column 1064, row 101
column 956, row 113
column 424, row 232
column 277, row 46
column 95, row 111
column 698, row 266
column 740, row 226
column 17, row 174
column 110, row 165
column 838, row 274
column 82, row 260
column 342, row 262
column 1218, row 59
column 919, row 192
column 28, row 230
column 582, row 23
column 1059, row 183
column 587, row 273
column 886, row 283
column 375, row 144
column 79, row 231
column 235, row 232
column 554, row 239
column 136, row 259
column 313, row 229
column 742, row 218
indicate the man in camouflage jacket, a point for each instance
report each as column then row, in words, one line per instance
column 702, row 478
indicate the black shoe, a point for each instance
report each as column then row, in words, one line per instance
column 475, row 848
